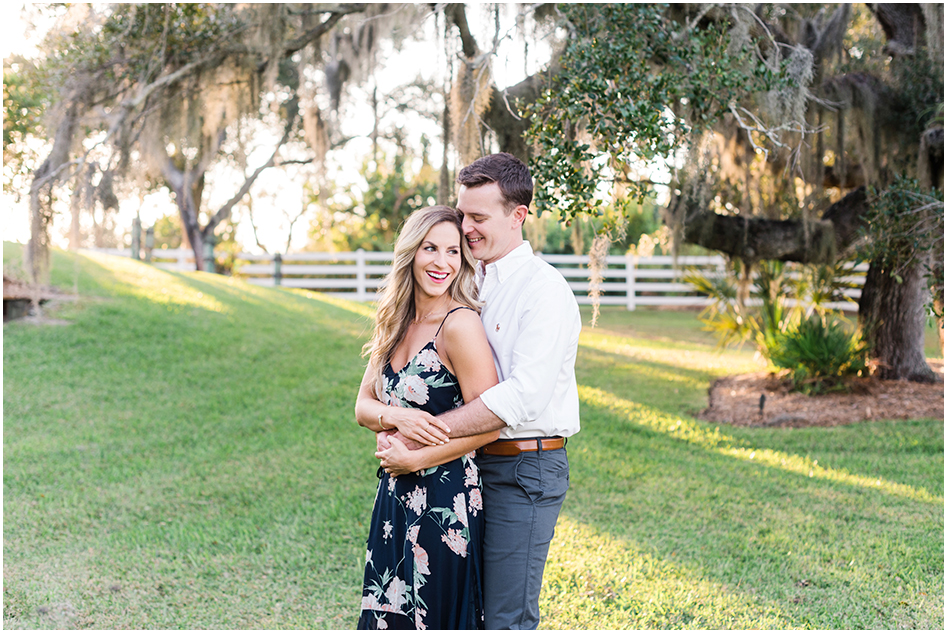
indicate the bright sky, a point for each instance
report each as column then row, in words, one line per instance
column 282, row 188
column 13, row 38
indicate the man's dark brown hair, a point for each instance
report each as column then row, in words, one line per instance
column 511, row 175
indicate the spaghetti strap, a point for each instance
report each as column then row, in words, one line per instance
column 445, row 318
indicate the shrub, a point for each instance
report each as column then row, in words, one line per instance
column 819, row 354
column 779, row 296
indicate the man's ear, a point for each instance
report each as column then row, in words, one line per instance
column 519, row 214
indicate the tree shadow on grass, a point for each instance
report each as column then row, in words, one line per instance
column 822, row 551
column 664, row 385
column 870, row 448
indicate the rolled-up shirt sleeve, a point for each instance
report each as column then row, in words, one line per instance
column 543, row 354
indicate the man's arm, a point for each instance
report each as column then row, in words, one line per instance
column 472, row 419
column 545, row 341
column 398, row 460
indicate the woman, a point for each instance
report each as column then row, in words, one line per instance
column 428, row 352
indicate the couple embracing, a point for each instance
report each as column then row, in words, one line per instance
column 470, row 388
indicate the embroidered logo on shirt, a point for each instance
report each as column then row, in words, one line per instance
column 498, row 327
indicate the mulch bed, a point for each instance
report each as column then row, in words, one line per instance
column 736, row 400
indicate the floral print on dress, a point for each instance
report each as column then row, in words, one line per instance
column 429, row 360
column 425, row 542
column 472, row 476
column 388, row 593
column 412, row 385
column 417, row 500
column 414, row 389
column 476, row 500
column 455, row 541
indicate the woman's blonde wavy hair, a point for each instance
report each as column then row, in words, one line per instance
column 396, row 304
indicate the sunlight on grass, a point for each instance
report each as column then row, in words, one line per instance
column 238, row 288
column 166, row 466
column 811, row 468
column 156, row 285
column 594, row 580
column 638, row 370
column 681, row 354
column 693, row 432
column 364, row 309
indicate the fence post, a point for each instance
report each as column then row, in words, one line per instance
column 210, row 264
column 360, row 293
column 136, row 239
column 631, row 263
column 149, row 243
column 277, row 269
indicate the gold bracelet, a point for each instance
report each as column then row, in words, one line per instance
column 382, row 425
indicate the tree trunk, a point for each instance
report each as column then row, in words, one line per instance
column 184, row 199
column 445, row 188
column 892, row 313
column 41, row 197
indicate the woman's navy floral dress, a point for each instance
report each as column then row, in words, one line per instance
column 423, row 565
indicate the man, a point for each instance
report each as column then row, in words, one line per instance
column 532, row 322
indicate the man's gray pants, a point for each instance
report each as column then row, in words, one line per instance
column 522, row 496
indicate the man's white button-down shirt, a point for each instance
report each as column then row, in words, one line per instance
column 533, row 324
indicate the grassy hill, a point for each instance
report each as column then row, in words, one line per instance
column 183, row 454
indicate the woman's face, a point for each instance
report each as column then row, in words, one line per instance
column 437, row 260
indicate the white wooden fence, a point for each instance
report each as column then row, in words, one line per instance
column 177, row 260
column 354, row 275
column 629, row 281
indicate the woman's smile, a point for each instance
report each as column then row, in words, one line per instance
column 437, row 260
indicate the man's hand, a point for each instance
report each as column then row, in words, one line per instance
column 383, row 440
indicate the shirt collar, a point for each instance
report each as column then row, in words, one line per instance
column 506, row 266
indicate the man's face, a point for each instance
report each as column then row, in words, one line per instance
column 489, row 230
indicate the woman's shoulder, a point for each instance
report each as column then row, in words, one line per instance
column 461, row 319
column 463, row 338
column 462, row 314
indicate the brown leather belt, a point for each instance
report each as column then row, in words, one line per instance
column 516, row 447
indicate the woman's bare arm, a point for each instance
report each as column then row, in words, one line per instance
column 399, row 460
column 464, row 345
column 413, row 423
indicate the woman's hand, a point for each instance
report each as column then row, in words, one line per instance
column 397, row 459
column 417, row 425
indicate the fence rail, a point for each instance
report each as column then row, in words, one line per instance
column 176, row 260
column 629, row 281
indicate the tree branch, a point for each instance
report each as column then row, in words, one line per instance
column 458, row 15
column 224, row 211
column 316, row 32
column 790, row 240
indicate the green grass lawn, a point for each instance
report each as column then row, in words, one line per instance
column 183, row 454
